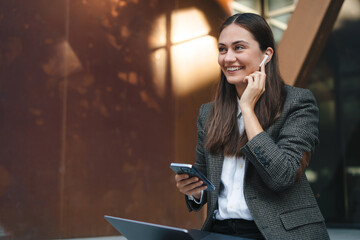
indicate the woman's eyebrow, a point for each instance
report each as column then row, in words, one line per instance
column 240, row 41
column 234, row 43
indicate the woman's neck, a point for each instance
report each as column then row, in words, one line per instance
column 240, row 88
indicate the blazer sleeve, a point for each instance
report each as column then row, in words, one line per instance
column 277, row 159
column 200, row 163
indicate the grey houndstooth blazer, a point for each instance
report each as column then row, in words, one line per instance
column 281, row 207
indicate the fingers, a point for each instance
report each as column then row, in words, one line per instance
column 196, row 192
column 189, row 186
column 179, row 177
column 193, row 188
column 257, row 80
column 188, row 183
column 248, row 80
column 254, row 89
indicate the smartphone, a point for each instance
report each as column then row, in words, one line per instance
column 181, row 168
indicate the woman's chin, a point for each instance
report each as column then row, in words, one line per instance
column 236, row 81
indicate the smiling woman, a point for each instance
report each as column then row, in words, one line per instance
column 258, row 122
column 243, row 43
column 239, row 55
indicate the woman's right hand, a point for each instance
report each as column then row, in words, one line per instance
column 189, row 186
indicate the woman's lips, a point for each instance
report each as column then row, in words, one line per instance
column 233, row 69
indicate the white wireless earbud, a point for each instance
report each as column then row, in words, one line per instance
column 264, row 60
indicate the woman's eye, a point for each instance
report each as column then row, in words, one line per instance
column 221, row 49
column 239, row 47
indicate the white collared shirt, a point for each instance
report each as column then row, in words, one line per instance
column 231, row 198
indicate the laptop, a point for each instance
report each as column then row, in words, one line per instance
column 136, row 230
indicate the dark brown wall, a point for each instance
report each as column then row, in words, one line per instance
column 83, row 131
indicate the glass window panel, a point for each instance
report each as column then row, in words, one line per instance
column 235, row 11
column 278, row 33
column 338, row 155
column 326, row 161
column 276, row 4
column 283, row 17
column 249, row 3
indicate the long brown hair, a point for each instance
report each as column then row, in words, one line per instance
column 222, row 130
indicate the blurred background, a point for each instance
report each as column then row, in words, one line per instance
column 98, row 97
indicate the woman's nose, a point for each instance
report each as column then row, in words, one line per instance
column 230, row 56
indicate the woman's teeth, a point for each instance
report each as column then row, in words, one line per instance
column 230, row 69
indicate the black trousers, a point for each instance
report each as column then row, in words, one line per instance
column 237, row 227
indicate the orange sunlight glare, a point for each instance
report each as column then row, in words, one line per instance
column 194, row 64
column 193, row 53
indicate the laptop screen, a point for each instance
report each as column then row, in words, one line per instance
column 136, row 230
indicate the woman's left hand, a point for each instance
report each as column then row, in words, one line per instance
column 254, row 89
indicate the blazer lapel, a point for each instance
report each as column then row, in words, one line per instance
column 216, row 164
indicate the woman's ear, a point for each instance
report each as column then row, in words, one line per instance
column 269, row 51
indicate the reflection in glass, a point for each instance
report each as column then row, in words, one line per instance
column 187, row 24
column 276, row 4
column 193, row 53
column 194, row 64
column 57, row 66
column 284, row 18
column 254, row 4
column 158, row 60
column 157, row 38
column 277, row 12
column 335, row 83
